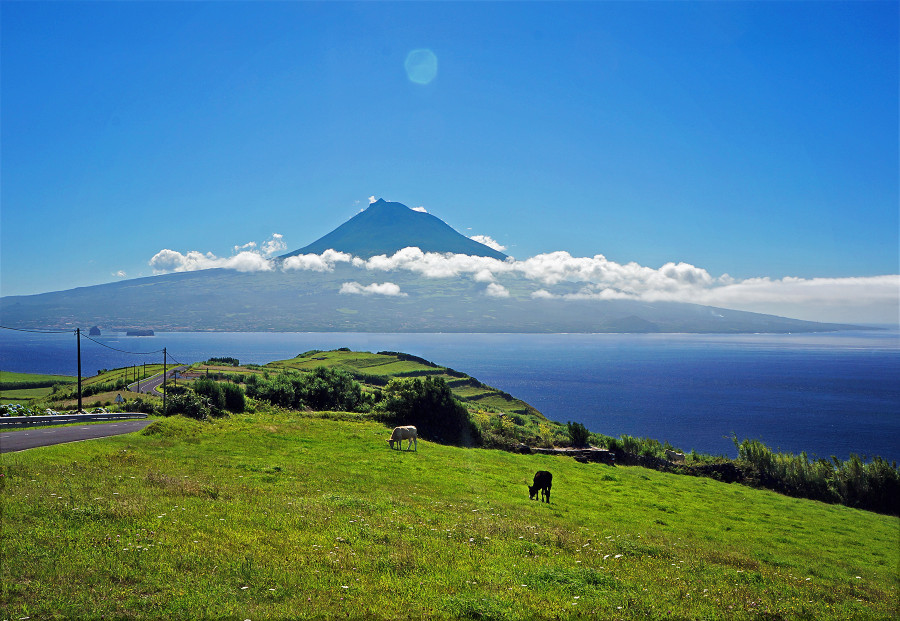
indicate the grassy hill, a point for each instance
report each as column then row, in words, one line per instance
column 374, row 370
column 304, row 301
column 287, row 515
column 26, row 388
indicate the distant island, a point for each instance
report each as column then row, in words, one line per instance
column 341, row 296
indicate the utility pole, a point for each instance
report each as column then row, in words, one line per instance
column 164, row 381
column 78, row 339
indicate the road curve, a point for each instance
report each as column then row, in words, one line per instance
column 11, row 441
column 148, row 386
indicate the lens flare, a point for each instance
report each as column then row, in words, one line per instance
column 421, row 66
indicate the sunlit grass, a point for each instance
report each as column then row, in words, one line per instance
column 289, row 516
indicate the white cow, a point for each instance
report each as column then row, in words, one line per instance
column 677, row 458
column 400, row 434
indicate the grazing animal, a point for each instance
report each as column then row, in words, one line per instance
column 543, row 480
column 677, row 458
column 400, row 434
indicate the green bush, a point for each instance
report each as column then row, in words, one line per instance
column 321, row 389
column 873, row 485
column 430, row 406
column 187, row 403
column 139, row 405
column 234, row 398
column 211, row 391
column 579, row 435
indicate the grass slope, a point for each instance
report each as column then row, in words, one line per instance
column 374, row 370
column 34, row 379
column 284, row 515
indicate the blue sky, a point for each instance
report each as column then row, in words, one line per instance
column 758, row 140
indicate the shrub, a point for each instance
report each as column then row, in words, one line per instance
column 187, row 404
column 212, row 392
column 322, row 389
column 224, row 360
column 145, row 407
column 234, row 398
column 874, row 486
column 578, row 434
column 429, row 405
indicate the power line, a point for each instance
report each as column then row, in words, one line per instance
column 39, row 331
column 137, row 353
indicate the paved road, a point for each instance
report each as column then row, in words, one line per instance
column 148, row 386
column 11, row 441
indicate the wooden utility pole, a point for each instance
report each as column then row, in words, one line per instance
column 164, row 381
column 78, row 338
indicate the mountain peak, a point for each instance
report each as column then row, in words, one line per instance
column 386, row 227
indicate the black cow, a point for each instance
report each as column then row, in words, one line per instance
column 543, row 480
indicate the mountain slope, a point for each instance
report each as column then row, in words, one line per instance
column 386, row 227
column 226, row 300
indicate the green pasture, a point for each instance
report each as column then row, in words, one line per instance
column 290, row 515
column 34, row 379
column 362, row 362
column 24, row 395
column 124, row 373
column 386, row 365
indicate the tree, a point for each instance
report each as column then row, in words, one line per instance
column 430, row 406
column 578, row 434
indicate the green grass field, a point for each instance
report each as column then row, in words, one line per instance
column 124, row 373
column 25, row 388
column 36, row 379
column 283, row 515
column 24, row 395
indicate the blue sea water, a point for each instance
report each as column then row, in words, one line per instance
column 826, row 394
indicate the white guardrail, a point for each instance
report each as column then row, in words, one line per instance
column 16, row 422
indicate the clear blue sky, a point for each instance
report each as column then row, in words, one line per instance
column 754, row 139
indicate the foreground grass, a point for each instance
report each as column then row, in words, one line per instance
column 287, row 516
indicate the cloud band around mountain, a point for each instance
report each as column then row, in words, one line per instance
column 874, row 298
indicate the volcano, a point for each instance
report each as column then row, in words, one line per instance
column 386, row 227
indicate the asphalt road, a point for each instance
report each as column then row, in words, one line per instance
column 11, row 441
column 148, row 386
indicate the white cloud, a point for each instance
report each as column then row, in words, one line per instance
column 387, row 288
column 120, row 274
column 173, row 261
column 867, row 299
column 437, row 265
column 871, row 299
column 421, row 209
column 372, row 199
column 489, row 242
column 274, row 245
column 324, row 262
column 246, row 246
column 496, row 290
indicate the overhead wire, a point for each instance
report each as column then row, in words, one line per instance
column 72, row 331
column 39, row 331
column 136, row 353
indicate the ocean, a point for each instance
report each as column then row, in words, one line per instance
column 826, row 394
